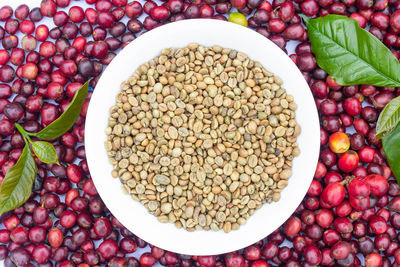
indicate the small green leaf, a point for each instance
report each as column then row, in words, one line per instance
column 67, row 119
column 391, row 146
column 389, row 118
column 17, row 184
column 45, row 152
column 350, row 54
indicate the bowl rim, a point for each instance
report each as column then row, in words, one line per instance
column 91, row 122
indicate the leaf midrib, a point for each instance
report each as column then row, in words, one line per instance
column 357, row 56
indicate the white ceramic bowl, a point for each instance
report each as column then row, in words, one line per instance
column 131, row 213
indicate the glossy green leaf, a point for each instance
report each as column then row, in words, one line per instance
column 17, row 184
column 391, row 146
column 66, row 119
column 389, row 118
column 350, row 54
column 45, row 151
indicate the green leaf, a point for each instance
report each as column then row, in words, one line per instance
column 17, row 185
column 67, row 119
column 389, row 118
column 45, row 152
column 350, row 54
column 391, row 146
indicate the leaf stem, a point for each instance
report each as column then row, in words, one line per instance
column 20, row 129
column 24, row 133
column 305, row 18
